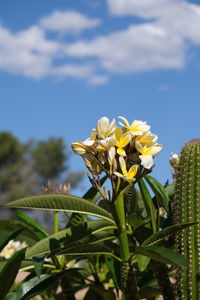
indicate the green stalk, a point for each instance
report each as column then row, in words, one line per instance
column 56, row 221
column 123, row 238
column 56, row 229
column 128, row 281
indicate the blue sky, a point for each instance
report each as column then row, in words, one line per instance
column 65, row 64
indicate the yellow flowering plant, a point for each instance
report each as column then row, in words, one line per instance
column 114, row 227
column 114, row 149
column 125, row 154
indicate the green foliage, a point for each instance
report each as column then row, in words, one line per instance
column 72, row 238
column 32, row 225
column 26, row 167
column 118, row 238
column 9, row 236
column 11, row 160
column 159, row 191
column 50, row 158
column 163, row 255
column 59, row 202
column 36, row 285
column 9, row 272
column 187, row 209
column 162, row 234
column 11, row 150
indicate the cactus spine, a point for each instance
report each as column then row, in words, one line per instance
column 187, row 209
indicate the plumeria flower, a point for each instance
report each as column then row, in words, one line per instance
column 136, row 128
column 91, row 163
column 111, row 158
column 126, row 175
column 11, row 248
column 147, row 139
column 122, row 139
column 104, row 145
column 83, row 147
column 147, row 154
column 105, row 128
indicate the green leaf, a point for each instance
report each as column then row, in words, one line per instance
column 163, row 255
column 150, row 209
column 92, row 250
column 38, row 265
column 32, row 225
column 142, row 261
column 9, row 272
column 75, row 219
column 136, row 221
column 162, row 234
column 59, row 202
column 71, row 237
column 10, row 225
column 36, row 285
column 159, row 191
column 169, row 189
column 110, row 262
column 9, row 236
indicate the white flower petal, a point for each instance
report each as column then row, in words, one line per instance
column 88, row 142
column 146, row 161
column 111, row 154
column 102, row 126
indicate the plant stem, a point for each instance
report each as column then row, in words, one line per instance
column 128, row 280
column 123, row 238
column 56, row 221
column 56, row 229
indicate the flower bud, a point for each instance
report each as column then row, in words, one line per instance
column 174, row 160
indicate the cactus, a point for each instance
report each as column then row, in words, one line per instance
column 187, row 209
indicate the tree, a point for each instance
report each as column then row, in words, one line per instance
column 50, row 159
column 26, row 167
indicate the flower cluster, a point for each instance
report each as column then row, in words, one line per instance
column 11, row 248
column 119, row 150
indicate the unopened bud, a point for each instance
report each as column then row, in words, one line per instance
column 174, row 160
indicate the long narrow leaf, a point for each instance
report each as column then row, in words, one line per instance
column 159, row 191
column 150, row 209
column 7, row 225
column 32, row 225
column 78, row 236
column 91, row 250
column 162, row 234
column 36, row 285
column 9, row 272
column 58, row 202
column 163, row 255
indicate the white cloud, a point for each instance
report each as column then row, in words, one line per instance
column 70, row 22
column 26, row 52
column 142, row 8
column 138, row 48
column 74, row 70
column 177, row 16
column 160, row 41
column 29, row 53
column 98, row 79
